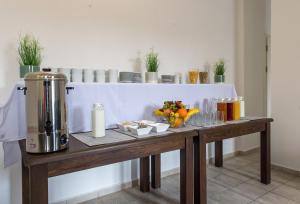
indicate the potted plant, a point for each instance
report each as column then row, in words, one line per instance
column 29, row 55
column 152, row 64
column 220, row 71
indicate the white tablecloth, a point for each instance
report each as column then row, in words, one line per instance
column 121, row 102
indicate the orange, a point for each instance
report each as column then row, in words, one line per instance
column 182, row 112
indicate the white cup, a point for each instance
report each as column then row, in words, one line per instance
column 184, row 78
column 76, row 75
column 178, row 78
column 54, row 70
column 66, row 72
column 88, row 75
column 113, row 75
column 100, row 76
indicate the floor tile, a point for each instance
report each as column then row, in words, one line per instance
column 230, row 197
column 237, row 162
column 271, row 198
column 226, row 181
column 295, row 182
column 281, row 176
column 249, row 190
column 253, row 156
column 213, row 172
column 214, row 188
column 288, row 192
column 269, row 187
column 236, row 174
column 237, row 183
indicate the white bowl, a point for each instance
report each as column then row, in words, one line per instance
column 140, row 131
column 159, row 127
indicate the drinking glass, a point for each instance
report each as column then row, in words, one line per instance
column 214, row 119
column 203, row 76
column 88, row 75
column 76, row 75
column 100, row 76
column 113, row 75
column 220, row 117
column 205, row 105
column 206, row 119
column 193, row 76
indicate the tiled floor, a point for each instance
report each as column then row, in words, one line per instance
column 238, row 182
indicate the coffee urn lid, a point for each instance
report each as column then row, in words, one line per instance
column 35, row 76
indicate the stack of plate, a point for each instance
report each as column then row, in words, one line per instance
column 130, row 77
column 170, row 79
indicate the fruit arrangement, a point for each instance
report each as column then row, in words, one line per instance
column 176, row 113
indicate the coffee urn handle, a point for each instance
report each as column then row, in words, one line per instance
column 24, row 89
column 69, row 88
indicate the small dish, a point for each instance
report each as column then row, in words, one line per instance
column 124, row 126
column 146, row 122
column 160, row 127
column 157, row 127
column 140, row 131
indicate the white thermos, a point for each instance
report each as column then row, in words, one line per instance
column 98, row 120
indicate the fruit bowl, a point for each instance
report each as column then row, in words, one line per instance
column 176, row 113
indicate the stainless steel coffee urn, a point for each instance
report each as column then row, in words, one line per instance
column 47, row 129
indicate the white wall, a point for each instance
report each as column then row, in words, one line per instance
column 251, row 76
column 112, row 34
column 285, row 95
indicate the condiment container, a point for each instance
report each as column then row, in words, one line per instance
column 236, row 109
column 242, row 106
column 222, row 107
column 98, row 120
column 229, row 102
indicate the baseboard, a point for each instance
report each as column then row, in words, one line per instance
column 286, row 169
column 225, row 157
column 249, row 151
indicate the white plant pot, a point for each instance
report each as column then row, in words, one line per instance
column 151, row 77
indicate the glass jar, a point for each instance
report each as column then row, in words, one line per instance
column 242, row 106
column 236, row 109
column 222, row 107
column 229, row 102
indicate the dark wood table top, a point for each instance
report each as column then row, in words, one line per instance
column 231, row 130
column 78, row 149
column 171, row 141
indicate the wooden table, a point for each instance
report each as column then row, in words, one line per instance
column 217, row 134
column 37, row 168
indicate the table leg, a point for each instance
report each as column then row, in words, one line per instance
column 196, row 171
column 200, row 188
column 25, row 184
column 38, row 184
column 155, row 171
column 144, row 174
column 186, row 172
column 219, row 153
column 265, row 155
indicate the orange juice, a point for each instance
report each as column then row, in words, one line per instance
column 236, row 110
